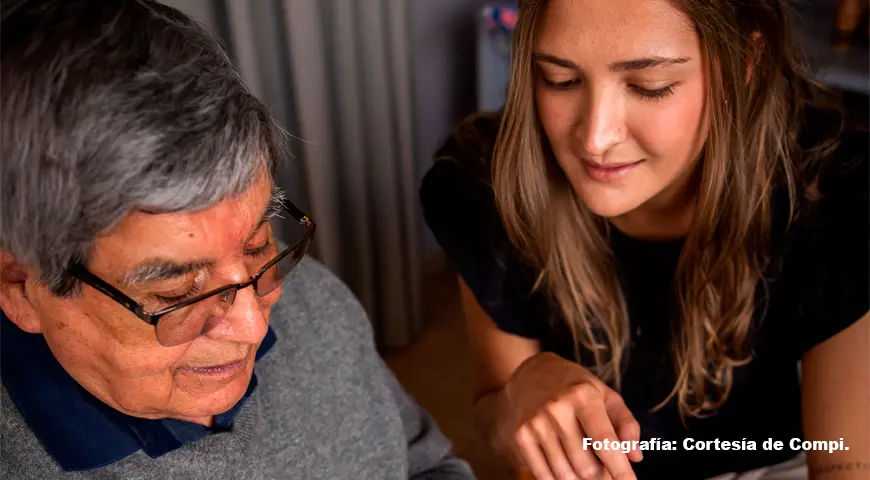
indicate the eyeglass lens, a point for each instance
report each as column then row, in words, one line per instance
column 187, row 323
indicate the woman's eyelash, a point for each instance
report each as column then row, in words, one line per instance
column 561, row 85
column 656, row 94
column 645, row 93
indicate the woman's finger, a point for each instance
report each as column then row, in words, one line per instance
column 532, row 455
column 584, row 462
column 596, row 423
column 547, row 434
column 624, row 422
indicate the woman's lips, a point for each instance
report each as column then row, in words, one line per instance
column 609, row 173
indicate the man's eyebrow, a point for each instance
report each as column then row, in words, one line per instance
column 636, row 64
column 161, row 269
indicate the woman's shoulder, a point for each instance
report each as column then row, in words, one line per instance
column 831, row 175
column 468, row 149
column 456, row 192
column 840, row 190
column 835, row 153
column 827, row 249
column 459, row 207
column 847, row 168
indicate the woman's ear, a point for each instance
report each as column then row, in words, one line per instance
column 13, row 295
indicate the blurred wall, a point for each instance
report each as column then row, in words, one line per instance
column 443, row 66
column 442, row 44
column 443, row 53
column 369, row 89
column 337, row 75
column 202, row 10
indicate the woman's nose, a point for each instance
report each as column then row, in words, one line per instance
column 602, row 122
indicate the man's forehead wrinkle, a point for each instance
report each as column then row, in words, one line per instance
column 140, row 232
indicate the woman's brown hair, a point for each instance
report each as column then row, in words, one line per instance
column 752, row 150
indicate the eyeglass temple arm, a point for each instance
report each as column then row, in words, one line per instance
column 297, row 214
column 82, row 273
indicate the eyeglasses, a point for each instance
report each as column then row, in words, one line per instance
column 187, row 320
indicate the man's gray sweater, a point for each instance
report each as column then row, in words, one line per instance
column 326, row 407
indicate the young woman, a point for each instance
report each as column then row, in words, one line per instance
column 662, row 237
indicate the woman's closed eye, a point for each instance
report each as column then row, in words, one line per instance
column 562, row 84
column 642, row 92
column 654, row 93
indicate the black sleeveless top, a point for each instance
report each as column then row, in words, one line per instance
column 820, row 287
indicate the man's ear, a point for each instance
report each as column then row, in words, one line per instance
column 13, row 295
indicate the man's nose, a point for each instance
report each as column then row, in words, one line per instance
column 244, row 319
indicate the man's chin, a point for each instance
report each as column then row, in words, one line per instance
column 200, row 399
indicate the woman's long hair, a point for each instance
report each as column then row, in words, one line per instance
column 752, row 149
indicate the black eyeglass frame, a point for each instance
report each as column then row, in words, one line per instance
column 81, row 272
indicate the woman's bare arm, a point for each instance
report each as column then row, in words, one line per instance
column 495, row 356
column 835, row 388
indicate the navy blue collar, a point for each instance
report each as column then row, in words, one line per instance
column 79, row 431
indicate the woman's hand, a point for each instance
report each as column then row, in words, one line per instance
column 556, row 404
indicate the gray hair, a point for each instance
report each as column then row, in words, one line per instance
column 110, row 107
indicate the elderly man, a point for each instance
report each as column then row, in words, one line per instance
column 153, row 325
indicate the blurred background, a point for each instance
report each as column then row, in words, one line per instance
column 368, row 89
